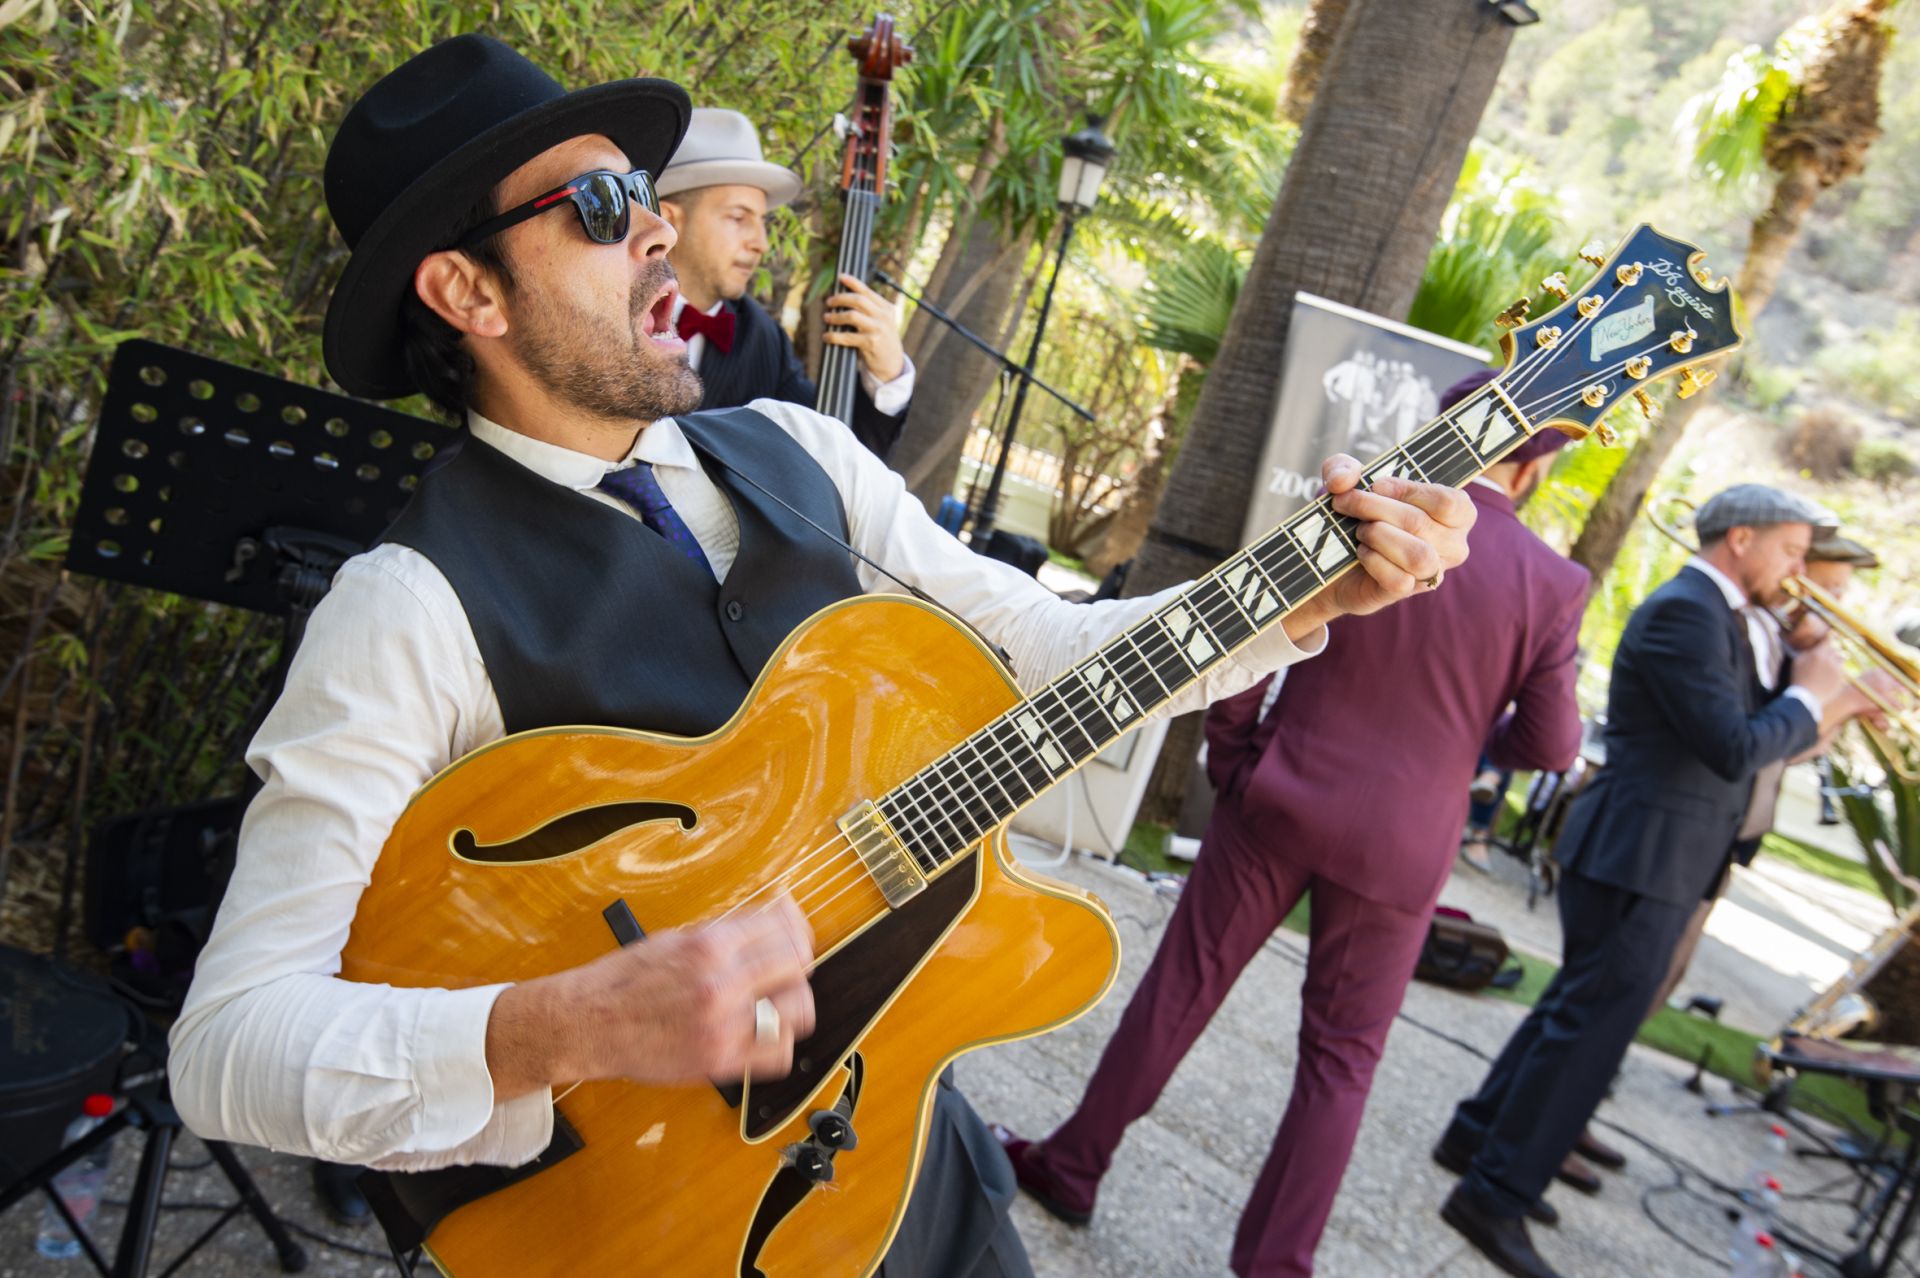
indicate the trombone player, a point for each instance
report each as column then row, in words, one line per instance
column 1688, row 729
column 1831, row 561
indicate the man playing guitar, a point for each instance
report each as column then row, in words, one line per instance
column 588, row 558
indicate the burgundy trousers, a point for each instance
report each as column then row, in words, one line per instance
column 1361, row 956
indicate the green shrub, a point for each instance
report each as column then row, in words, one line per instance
column 1886, row 460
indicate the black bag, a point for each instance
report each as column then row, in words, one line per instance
column 1464, row 955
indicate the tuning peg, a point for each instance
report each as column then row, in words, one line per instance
column 1628, row 273
column 1594, row 254
column 1556, row 284
column 1701, row 273
column 1514, row 316
column 1638, row 367
column 1645, row 401
column 1695, row 380
column 1605, row 435
column 1682, row 341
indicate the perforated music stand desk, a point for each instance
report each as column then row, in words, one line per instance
column 207, row 479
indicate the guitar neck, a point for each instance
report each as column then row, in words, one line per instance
column 944, row 810
column 840, row 365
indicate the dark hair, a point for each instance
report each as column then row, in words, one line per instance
column 436, row 357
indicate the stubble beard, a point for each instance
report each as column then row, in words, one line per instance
column 605, row 370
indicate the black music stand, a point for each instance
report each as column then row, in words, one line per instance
column 238, row 488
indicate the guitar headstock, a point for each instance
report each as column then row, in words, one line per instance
column 1650, row 311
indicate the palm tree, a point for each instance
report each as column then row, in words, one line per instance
column 1808, row 111
column 1354, row 221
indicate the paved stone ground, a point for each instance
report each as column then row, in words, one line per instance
column 1169, row 1207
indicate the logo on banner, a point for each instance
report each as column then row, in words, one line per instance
column 1380, row 401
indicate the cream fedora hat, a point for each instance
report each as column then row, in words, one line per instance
column 721, row 148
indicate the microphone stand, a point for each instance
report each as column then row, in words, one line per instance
column 1006, row 361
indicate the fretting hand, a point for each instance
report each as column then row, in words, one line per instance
column 1410, row 534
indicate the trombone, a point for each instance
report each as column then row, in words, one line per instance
column 1860, row 645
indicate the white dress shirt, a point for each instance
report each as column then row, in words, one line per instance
column 1761, row 635
column 890, row 398
column 387, row 689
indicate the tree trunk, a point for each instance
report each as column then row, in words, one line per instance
column 1612, row 516
column 950, row 387
column 1402, row 94
column 1317, row 32
column 1820, row 139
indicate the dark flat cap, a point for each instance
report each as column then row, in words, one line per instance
column 1832, row 548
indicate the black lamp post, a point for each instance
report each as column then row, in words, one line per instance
column 1083, row 167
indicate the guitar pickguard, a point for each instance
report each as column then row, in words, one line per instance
column 854, row 985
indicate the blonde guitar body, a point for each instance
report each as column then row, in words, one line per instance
column 503, row 869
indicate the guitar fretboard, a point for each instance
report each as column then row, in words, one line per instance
column 950, row 805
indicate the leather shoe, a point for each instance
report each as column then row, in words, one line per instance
column 335, row 1185
column 1577, row 1174
column 1601, row 1155
column 1502, row 1240
column 1454, row 1156
column 1035, row 1181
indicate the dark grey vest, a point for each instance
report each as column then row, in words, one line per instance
column 584, row 615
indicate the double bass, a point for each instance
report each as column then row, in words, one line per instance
column 863, row 183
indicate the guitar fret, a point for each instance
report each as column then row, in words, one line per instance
column 936, row 814
column 993, row 775
column 911, row 832
column 1173, row 643
column 1142, row 658
column 1330, row 550
column 1230, row 626
column 964, row 795
column 997, row 732
column 1064, row 732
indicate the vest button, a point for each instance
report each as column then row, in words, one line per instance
column 734, row 610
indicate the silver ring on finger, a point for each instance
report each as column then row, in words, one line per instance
column 766, row 1022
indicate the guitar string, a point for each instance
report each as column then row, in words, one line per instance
column 922, row 826
column 837, row 359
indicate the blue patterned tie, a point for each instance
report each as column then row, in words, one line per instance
column 637, row 487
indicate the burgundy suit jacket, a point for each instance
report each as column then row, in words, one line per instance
column 1361, row 769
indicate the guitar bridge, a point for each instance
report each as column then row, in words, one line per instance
column 891, row 865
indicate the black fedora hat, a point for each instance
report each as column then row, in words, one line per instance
column 423, row 145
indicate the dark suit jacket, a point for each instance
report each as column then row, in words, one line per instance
column 762, row 364
column 1360, row 771
column 1688, row 725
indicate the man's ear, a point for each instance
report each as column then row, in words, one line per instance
column 1740, row 539
column 675, row 215
column 462, row 292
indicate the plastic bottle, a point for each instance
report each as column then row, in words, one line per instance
column 1770, row 1163
column 80, row 1184
column 1756, row 1256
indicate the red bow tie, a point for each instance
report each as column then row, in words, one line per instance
column 716, row 328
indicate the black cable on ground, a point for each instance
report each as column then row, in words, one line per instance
column 1723, row 1195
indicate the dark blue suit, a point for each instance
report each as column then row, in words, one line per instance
column 1688, row 725
column 762, row 364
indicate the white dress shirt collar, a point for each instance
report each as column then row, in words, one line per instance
column 1736, row 598
column 660, row 444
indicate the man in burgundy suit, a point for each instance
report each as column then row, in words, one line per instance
column 1353, row 788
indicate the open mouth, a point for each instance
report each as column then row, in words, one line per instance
column 657, row 320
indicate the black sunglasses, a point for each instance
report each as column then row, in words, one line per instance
column 603, row 199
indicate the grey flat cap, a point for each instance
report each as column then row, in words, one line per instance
column 1832, row 548
column 1756, row 506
